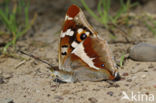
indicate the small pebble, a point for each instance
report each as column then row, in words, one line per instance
column 147, row 93
column 65, row 92
column 58, row 97
column 70, row 97
column 129, row 80
column 125, row 74
column 92, row 100
column 48, row 95
column 127, row 85
column 143, row 76
column 145, row 70
column 110, row 93
column 122, row 78
column 96, row 89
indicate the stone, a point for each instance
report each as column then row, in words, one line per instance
column 143, row 52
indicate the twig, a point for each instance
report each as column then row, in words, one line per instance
column 19, row 64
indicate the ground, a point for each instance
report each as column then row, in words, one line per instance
column 30, row 81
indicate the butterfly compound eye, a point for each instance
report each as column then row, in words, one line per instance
column 83, row 36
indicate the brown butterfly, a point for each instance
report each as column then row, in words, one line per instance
column 83, row 55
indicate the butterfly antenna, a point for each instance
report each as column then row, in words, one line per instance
column 37, row 58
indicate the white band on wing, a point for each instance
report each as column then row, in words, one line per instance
column 79, row 51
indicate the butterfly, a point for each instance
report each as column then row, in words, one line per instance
column 83, row 54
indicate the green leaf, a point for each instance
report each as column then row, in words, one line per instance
column 89, row 10
column 122, row 60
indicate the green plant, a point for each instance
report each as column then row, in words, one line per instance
column 151, row 25
column 12, row 19
column 122, row 60
column 103, row 9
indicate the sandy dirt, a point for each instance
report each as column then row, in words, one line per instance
column 30, row 81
